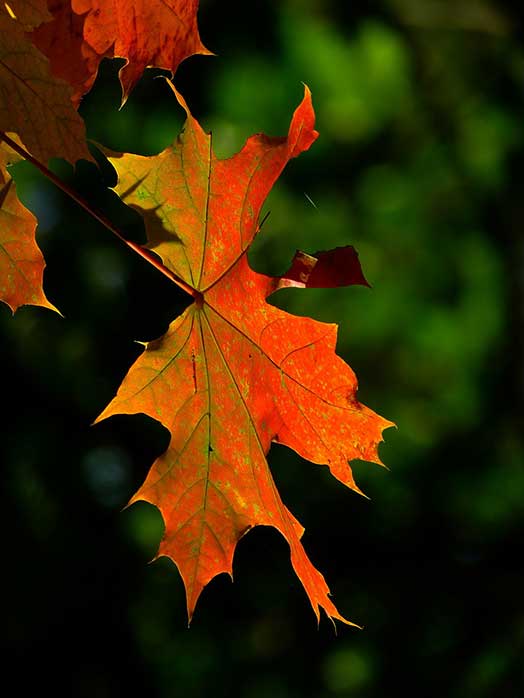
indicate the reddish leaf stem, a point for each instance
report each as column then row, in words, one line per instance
column 100, row 217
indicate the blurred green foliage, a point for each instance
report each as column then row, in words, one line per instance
column 419, row 163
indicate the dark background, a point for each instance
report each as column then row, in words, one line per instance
column 419, row 164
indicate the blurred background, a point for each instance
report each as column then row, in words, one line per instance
column 419, row 164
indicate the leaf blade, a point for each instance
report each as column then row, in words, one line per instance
column 21, row 262
column 34, row 103
column 147, row 33
column 234, row 373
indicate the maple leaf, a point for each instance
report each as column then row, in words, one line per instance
column 21, row 262
column 147, row 33
column 33, row 102
column 233, row 373
column 61, row 39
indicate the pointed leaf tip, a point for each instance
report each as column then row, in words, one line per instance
column 301, row 131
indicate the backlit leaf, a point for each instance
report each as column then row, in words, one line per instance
column 147, row 33
column 233, row 373
column 33, row 102
column 21, row 262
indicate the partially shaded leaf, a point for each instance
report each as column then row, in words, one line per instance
column 33, row 102
column 21, row 262
column 147, row 33
column 72, row 58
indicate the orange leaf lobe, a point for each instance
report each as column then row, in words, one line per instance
column 147, row 33
column 21, row 262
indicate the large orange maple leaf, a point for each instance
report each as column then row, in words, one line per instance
column 234, row 373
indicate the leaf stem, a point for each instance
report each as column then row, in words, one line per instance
column 98, row 215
